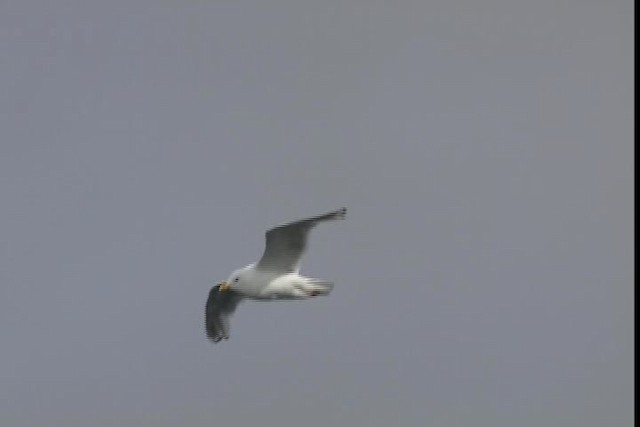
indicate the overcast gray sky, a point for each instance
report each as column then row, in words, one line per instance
column 483, row 147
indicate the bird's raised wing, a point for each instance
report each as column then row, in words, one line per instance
column 286, row 243
column 220, row 306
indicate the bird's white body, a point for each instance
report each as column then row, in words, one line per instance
column 258, row 284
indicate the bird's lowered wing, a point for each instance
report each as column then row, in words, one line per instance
column 220, row 306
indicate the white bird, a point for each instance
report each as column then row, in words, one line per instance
column 275, row 277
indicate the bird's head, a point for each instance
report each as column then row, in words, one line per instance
column 230, row 283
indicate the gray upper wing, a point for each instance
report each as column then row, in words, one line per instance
column 286, row 243
column 220, row 306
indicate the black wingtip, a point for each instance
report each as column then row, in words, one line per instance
column 340, row 213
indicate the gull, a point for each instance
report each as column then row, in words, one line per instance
column 275, row 277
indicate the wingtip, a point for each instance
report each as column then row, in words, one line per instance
column 217, row 339
column 340, row 213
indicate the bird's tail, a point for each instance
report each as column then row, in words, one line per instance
column 318, row 287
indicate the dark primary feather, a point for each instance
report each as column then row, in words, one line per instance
column 286, row 243
column 220, row 305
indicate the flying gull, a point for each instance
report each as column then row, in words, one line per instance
column 275, row 277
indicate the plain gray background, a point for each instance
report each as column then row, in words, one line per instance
column 484, row 149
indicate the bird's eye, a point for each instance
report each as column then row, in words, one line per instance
column 236, row 279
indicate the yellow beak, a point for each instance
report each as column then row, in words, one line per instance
column 224, row 287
